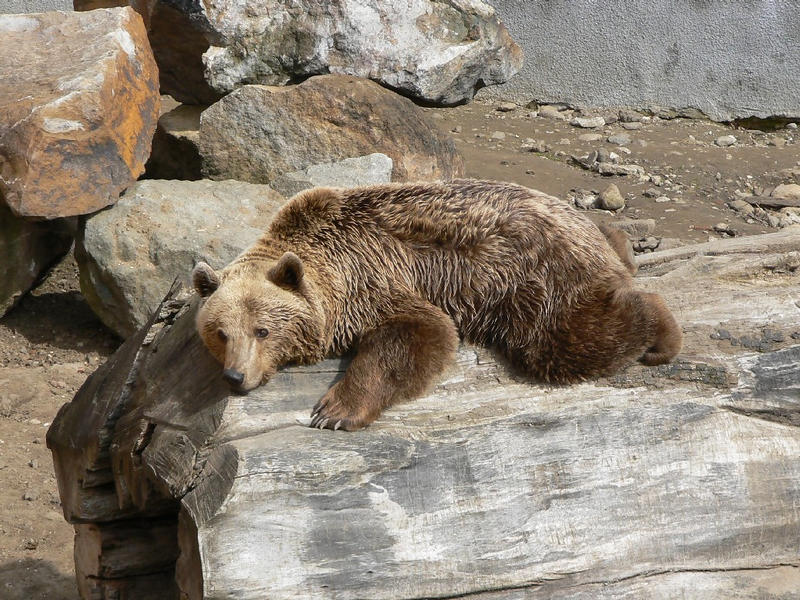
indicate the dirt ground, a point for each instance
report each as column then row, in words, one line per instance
column 51, row 342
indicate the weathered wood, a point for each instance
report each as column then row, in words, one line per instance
column 80, row 436
column 156, row 586
column 681, row 480
column 125, row 549
column 115, row 557
column 778, row 242
column 774, row 203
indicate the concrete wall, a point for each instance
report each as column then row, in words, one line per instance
column 727, row 58
column 12, row 7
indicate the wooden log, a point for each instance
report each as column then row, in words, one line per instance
column 126, row 548
column 681, row 480
column 80, row 436
column 157, row 586
column 774, row 203
column 769, row 243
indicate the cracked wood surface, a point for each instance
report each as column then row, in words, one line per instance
column 681, row 480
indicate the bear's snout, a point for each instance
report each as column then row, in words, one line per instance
column 233, row 377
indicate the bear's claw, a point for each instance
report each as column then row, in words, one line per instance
column 332, row 413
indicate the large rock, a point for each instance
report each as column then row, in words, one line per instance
column 27, row 250
column 78, row 108
column 260, row 132
column 680, row 481
column 129, row 256
column 438, row 52
column 350, row 172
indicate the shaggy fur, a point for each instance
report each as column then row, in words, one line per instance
column 400, row 271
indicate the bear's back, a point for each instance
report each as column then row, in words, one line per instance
column 464, row 245
column 461, row 215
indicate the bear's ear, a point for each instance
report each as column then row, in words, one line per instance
column 288, row 271
column 205, row 279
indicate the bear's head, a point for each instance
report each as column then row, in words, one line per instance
column 258, row 316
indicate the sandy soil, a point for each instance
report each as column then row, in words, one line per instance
column 51, row 342
column 698, row 176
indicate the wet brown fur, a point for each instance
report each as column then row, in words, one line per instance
column 400, row 271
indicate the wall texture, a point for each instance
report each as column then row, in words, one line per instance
column 727, row 58
column 12, row 7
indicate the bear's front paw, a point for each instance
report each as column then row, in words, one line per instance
column 333, row 412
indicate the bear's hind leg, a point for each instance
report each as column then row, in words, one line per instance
column 666, row 332
column 396, row 361
column 622, row 246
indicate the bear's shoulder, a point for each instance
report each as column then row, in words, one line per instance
column 308, row 211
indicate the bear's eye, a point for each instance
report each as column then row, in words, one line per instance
column 222, row 335
column 261, row 332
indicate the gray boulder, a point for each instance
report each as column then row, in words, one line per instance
column 130, row 255
column 439, row 52
column 27, row 250
column 350, row 172
column 258, row 132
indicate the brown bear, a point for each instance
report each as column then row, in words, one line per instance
column 401, row 271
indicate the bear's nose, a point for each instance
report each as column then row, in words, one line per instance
column 233, row 376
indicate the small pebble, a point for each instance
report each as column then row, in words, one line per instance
column 551, row 112
column 627, row 115
column 619, row 139
column 585, row 201
column 724, row 141
column 725, row 229
column 588, row 122
column 531, row 145
column 506, row 106
column 611, row 198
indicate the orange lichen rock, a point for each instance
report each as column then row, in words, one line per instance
column 78, row 108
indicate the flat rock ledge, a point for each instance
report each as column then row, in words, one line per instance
column 681, row 480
